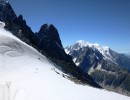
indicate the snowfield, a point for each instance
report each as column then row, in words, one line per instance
column 25, row 74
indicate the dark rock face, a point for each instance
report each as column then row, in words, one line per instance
column 107, row 67
column 15, row 24
column 121, row 59
column 47, row 41
column 89, row 58
column 7, row 14
column 22, row 31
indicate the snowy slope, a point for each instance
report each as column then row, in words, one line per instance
column 25, row 74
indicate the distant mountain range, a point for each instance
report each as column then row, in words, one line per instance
column 107, row 67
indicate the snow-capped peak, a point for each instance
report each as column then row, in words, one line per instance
column 82, row 43
column 104, row 50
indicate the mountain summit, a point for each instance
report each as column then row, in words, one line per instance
column 107, row 67
column 96, row 47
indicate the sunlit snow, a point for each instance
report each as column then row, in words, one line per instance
column 25, row 74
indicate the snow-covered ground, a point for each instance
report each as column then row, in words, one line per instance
column 25, row 74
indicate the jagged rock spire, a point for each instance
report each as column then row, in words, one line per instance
column 6, row 12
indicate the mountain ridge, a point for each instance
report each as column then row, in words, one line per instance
column 107, row 67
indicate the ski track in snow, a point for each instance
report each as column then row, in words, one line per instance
column 23, row 76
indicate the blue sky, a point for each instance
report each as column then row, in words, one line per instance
column 106, row 22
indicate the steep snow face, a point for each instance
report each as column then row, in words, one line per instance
column 25, row 74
